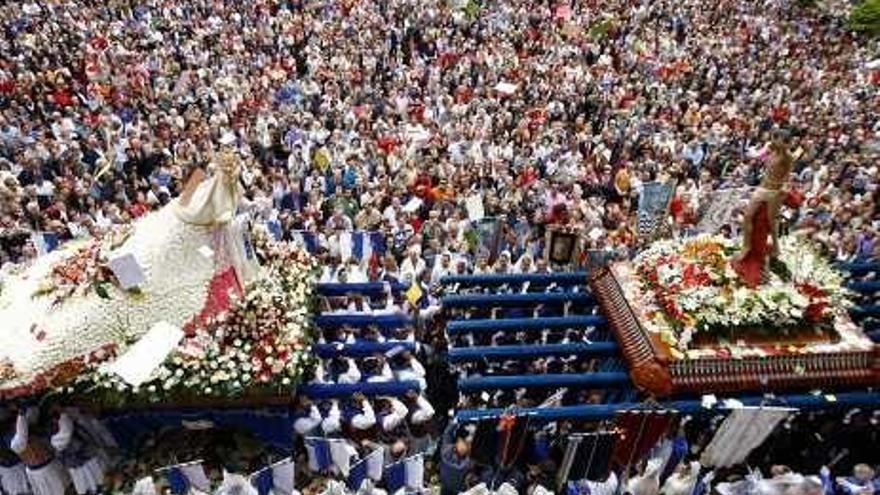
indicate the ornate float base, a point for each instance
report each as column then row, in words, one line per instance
column 655, row 368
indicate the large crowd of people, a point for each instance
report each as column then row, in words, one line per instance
column 343, row 112
column 418, row 121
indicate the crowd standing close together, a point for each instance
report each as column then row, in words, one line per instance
column 413, row 119
column 343, row 112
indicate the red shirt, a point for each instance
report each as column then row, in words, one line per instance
column 62, row 97
column 779, row 114
column 138, row 209
column 387, row 144
column 528, row 177
column 422, row 186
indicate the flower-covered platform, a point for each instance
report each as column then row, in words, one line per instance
column 687, row 323
column 230, row 305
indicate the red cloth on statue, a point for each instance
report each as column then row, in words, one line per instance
column 219, row 299
column 750, row 266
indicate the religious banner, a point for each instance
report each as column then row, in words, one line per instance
column 653, row 209
column 639, row 431
column 743, row 431
column 562, row 246
column 484, row 236
column 721, row 208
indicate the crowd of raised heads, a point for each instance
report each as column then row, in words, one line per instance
column 413, row 123
column 344, row 112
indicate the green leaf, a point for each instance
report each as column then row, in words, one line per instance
column 101, row 290
column 472, row 9
column 865, row 17
column 600, row 29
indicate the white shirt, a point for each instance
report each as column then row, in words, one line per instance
column 307, row 424
column 61, row 439
column 412, row 270
column 397, row 415
column 333, row 422
column 415, row 372
column 424, row 412
column 366, row 419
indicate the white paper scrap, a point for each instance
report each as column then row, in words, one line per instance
column 506, row 88
column 474, row 206
column 206, row 251
column 127, row 271
column 709, row 401
column 142, row 358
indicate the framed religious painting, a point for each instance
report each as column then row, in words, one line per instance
column 562, row 246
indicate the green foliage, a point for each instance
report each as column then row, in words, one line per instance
column 600, row 29
column 472, row 10
column 865, row 17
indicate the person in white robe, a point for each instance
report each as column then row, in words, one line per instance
column 421, row 414
column 366, row 418
column 332, row 422
column 306, row 424
column 45, row 474
column 144, row 486
column 396, row 416
column 235, row 484
column 648, row 483
column 413, row 266
column 682, row 480
column 385, row 375
column 414, row 371
column 13, row 475
column 80, row 459
column 442, row 268
column 525, row 264
column 13, row 479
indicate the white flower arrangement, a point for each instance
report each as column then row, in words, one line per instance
column 262, row 342
column 43, row 330
column 687, row 287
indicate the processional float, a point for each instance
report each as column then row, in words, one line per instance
column 701, row 316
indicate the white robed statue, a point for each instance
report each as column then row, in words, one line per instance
column 185, row 262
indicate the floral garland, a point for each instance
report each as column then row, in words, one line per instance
column 689, row 287
column 85, row 270
column 261, row 345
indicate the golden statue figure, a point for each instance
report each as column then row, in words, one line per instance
column 761, row 221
